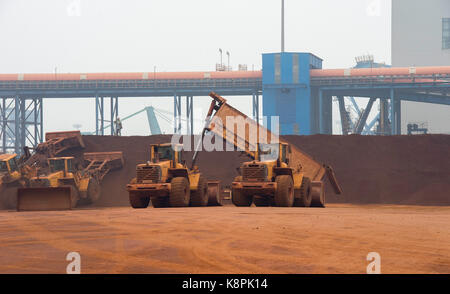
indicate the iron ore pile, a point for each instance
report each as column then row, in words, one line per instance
column 371, row 169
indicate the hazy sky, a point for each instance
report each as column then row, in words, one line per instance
column 177, row 35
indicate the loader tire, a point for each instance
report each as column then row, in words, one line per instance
column 240, row 199
column 284, row 195
column 199, row 197
column 136, row 201
column 74, row 196
column 160, row 202
column 180, row 194
column 305, row 195
column 9, row 197
column 318, row 196
column 261, row 201
column 93, row 191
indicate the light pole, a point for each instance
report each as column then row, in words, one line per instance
column 221, row 63
column 228, row 54
column 282, row 25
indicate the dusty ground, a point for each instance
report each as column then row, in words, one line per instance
column 410, row 239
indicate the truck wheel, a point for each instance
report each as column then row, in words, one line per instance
column 284, row 195
column 199, row 197
column 317, row 195
column 93, row 191
column 261, row 201
column 180, row 194
column 160, row 202
column 240, row 199
column 138, row 202
column 304, row 195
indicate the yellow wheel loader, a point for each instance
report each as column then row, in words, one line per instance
column 166, row 181
column 13, row 175
column 279, row 174
column 58, row 190
column 65, row 185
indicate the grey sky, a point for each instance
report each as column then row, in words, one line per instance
column 177, row 35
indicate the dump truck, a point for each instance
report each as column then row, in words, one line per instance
column 166, row 181
column 55, row 143
column 65, row 185
column 279, row 173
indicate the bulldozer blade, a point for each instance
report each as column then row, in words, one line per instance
column 112, row 160
column 214, row 195
column 44, row 198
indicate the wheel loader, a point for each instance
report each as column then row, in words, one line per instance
column 65, row 185
column 13, row 175
column 168, row 182
column 17, row 172
column 279, row 174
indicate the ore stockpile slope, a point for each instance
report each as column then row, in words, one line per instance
column 371, row 169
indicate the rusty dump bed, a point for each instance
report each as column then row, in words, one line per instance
column 112, row 160
column 67, row 139
column 246, row 140
column 101, row 163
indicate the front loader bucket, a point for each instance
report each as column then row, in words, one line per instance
column 214, row 195
column 44, row 198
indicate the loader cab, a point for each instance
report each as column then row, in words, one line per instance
column 273, row 151
column 8, row 163
column 58, row 164
column 166, row 152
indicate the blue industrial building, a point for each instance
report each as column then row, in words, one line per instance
column 287, row 92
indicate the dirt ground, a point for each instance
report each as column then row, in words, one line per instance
column 410, row 239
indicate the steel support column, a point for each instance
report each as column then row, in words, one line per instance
column 21, row 123
column 99, row 116
column 176, row 114
column 255, row 106
column 321, row 124
column 189, row 115
column 114, row 109
column 394, row 113
column 398, row 116
column 384, row 125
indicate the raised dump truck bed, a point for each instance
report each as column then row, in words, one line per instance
column 103, row 162
column 246, row 139
column 55, row 143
